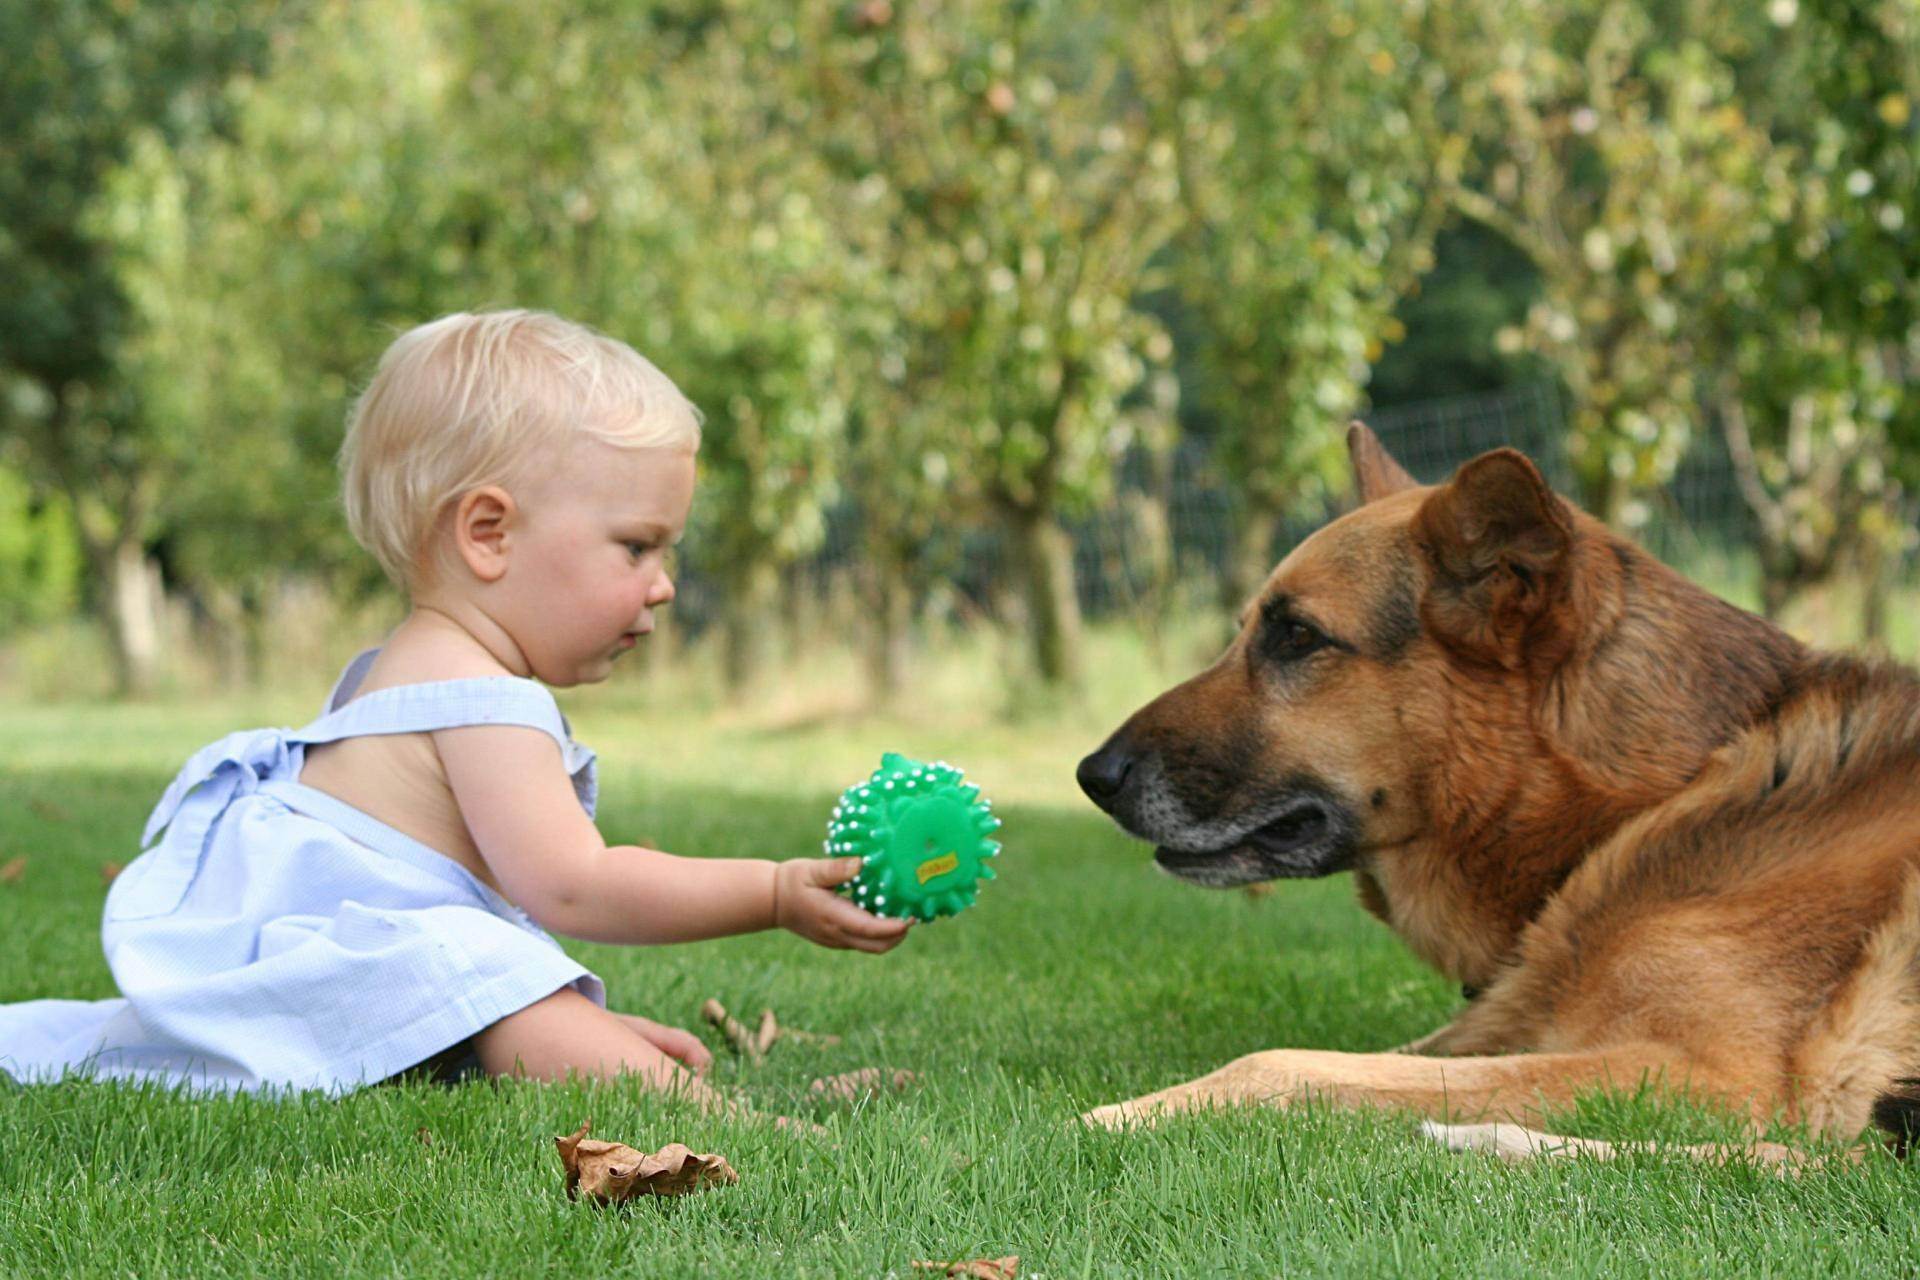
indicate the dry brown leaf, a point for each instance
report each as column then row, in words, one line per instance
column 978, row 1268
column 108, row 870
column 13, row 869
column 422, row 1136
column 47, row 809
column 1259, row 889
column 606, row 1172
column 867, row 1082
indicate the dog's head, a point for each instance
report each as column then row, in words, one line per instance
column 1313, row 742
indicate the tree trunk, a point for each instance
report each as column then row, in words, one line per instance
column 132, row 608
column 656, row 653
column 750, row 622
column 254, row 634
column 1873, row 599
column 888, row 605
column 1252, row 554
column 1044, row 552
column 1148, row 530
column 1775, row 593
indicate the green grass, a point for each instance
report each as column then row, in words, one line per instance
column 1080, row 978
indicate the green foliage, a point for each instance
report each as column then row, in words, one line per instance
column 39, row 557
column 1819, row 322
column 1314, row 156
column 1023, row 194
column 915, row 256
column 86, row 87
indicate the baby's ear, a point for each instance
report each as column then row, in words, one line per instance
column 481, row 520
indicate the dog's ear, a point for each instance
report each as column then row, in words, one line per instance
column 1375, row 473
column 1499, row 541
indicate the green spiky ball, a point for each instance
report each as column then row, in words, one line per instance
column 923, row 835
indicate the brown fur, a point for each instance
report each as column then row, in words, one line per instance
column 1665, row 840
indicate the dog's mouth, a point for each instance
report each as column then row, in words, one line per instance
column 1309, row 837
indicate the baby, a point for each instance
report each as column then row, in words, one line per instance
column 333, row 905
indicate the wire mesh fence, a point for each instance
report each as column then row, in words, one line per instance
column 1177, row 518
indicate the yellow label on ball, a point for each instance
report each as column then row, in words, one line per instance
column 938, row 867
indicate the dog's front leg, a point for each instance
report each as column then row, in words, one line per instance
column 1514, row 1087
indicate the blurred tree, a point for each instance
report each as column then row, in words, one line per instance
column 412, row 160
column 1818, row 327
column 1620, row 157
column 638, row 177
column 1010, row 193
column 1316, row 150
column 39, row 556
column 81, row 86
column 267, row 267
column 1479, row 286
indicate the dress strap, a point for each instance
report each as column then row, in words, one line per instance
column 443, row 704
column 440, row 704
column 451, row 704
column 238, row 763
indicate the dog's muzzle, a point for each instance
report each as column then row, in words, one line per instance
column 1298, row 829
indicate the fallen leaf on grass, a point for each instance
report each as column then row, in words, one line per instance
column 47, row 809
column 108, row 870
column 868, row 1082
column 13, row 869
column 978, row 1268
column 424, row 1138
column 612, row 1171
column 1259, row 889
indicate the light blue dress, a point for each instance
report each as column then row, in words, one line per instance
column 280, row 938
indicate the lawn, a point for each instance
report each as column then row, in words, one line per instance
column 1081, row 977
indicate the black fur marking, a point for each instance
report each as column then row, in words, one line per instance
column 1898, row 1114
column 1379, row 798
column 1780, row 771
column 1470, row 991
column 1395, row 623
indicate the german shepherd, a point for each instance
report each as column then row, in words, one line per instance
column 1655, row 838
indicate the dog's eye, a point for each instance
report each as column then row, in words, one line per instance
column 1291, row 638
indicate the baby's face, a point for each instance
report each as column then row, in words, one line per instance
column 590, row 564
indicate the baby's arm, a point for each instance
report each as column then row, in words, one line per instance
column 552, row 861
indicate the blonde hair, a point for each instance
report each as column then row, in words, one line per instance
column 470, row 399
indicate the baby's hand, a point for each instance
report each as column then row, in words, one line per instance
column 804, row 901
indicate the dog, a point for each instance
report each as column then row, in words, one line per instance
column 1657, row 840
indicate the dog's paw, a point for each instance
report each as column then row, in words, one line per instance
column 1117, row 1116
column 1508, row 1141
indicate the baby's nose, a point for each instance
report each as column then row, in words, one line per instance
column 663, row 593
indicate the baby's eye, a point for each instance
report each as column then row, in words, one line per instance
column 638, row 549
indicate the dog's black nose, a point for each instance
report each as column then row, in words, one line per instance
column 1102, row 774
